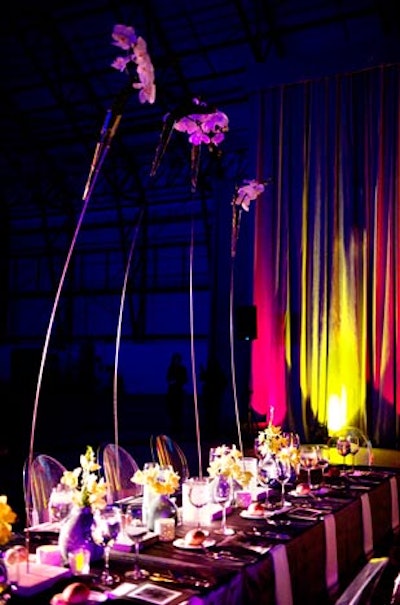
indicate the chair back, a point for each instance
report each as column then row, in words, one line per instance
column 169, row 452
column 39, row 479
column 119, row 467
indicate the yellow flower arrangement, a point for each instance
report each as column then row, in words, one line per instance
column 160, row 480
column 87, row 488
column 7, row 518
column 289, row 454
column 227, row 461
column 270, row 440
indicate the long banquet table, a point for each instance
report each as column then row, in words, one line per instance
column 281, row 560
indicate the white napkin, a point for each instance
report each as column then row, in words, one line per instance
column 395, row 502
column 367, row 525
column 331, row 570
column 283, row 583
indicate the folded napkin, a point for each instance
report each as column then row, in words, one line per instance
column 331, row 569
column 367, row 525
column 283, row 583
column 395, row 502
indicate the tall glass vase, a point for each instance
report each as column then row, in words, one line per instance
column 76, row 531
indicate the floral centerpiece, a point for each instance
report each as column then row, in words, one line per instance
column 227, row 461
column 7, row 518
column 88, row 489
column 159, row 483
column 159, row 480
column 271, row 441
column 89, row 493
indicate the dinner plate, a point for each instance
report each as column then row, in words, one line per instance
column 247, row 515
column 94, row 597
column 180, row 543
column 267, row 513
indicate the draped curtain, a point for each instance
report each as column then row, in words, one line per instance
column 326, row 263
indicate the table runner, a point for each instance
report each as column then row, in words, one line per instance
column 367, row 526
column 283, row 583
column 395, row 502
column 331, row 552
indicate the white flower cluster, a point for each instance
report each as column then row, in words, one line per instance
column 125, row 37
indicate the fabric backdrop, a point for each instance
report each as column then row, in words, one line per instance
column 326, row 265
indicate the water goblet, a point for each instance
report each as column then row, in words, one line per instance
column 199, row 495
column 293, row 440
column 60, row 503
column 283, row 474
column 343, row 447
column 323, row 455
column 308, row 460
column 266, row 472
column 106, row 527
column 135, row 528
column 222, row 491
column 354, row 448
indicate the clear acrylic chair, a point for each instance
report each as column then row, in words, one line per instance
column 119, row 467
column 169, row 452
column 39, row 479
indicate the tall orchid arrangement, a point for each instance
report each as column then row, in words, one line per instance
column 203, row 123
column 248, row 191
column 136, row 53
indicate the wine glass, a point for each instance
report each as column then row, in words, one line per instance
column 266, row 472
column 293, row 439
column 354, row 441
column 343, row 446
column 60, row 503
column 323, row 455
column 283, row 474
column 308, row 459
column 222, row 490
column 135, row 528
column 107, row 525
column 199, row 494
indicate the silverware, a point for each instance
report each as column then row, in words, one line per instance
column 184, row 579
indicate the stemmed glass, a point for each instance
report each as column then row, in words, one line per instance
column 222, row 494
column 283, row 474
column 323, row 454
column 343, row 446
column 266, row 472
column 354, row 448
column 135, row 528
column 308, row 460
column 199, row 494
column 107, row 525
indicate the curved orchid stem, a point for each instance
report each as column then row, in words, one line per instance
column 236, row 216
column 107, row 133
column 192, row 354
column 119, row 328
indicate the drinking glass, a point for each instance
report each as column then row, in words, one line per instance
column 344, row 448
column 60, row 503
column 199, row 495
column 266, row 472
column 354, row 448
column 283, row 474
column 135, row 528
column 323, row 454
column 293, row 440
column 222, row 491
column 107, row 525
column 308, row 459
